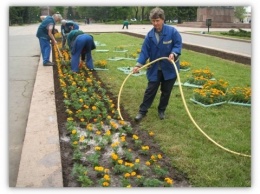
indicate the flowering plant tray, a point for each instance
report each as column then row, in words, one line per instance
column 192, row 85
column 207, row 105
column 239, row 103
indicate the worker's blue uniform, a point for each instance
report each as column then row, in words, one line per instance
column 162, row 73
column 44, row 39
column 170, row 41
column 80, row 45
column 65, row 30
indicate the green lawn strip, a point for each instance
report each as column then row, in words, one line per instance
column 219, row 34
column 205, row 164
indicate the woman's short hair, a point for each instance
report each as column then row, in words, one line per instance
column 156, row 13
column 57, row 16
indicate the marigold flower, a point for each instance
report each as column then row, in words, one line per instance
column 106, row 177
column 97, row 148
column 168, row 181
column 126, row 175
column 99, row 168
column 133, row 173
column 151, row 133
column 147, row 163
column 105, row 184
column 98, row 132
column 135, row 137
column 108, row 133
column 114, row 156
column 81, row 139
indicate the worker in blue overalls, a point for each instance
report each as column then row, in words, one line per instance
column 161, row 41
column 80, row 45
column 66, row 27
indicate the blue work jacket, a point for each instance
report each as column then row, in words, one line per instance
column 170, row 41
column 42, row 31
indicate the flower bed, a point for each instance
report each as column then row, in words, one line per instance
column 185, row 66
column 212, row 93
column 106, row 150
column 199, row 77
column 239, row 96
column 100, row 65
column 120, row 49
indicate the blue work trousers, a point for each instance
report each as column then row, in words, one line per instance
column 45, row 49
column 81, row 45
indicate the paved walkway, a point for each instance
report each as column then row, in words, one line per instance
column 34, row 159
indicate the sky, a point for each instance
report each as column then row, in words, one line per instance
column 255, row 80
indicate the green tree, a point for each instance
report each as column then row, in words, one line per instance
column 59, row 9
column 70, row 14
column 23, row 15
column 186, row 14
column 239, row 13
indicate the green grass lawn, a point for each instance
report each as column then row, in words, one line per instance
column 216, row 33
column 205, row 164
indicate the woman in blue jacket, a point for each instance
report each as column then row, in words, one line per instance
column 161, row 41
column 45, row 34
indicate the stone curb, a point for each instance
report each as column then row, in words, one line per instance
column 40, row 164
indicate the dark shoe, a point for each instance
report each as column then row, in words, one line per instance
column 139, row 117
column 161, row 115
column 49, row 64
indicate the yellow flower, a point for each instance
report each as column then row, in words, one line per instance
column 147, row 163
column 151, row 133
column 97, row 148
column 168, row 181
column 114, row 156
column 74, row 131
column 105, row 184
column 126, row 175
column 106, row 177
column 82, row 138
column 122, row 138
column 133, row 173
column 70, row 119
column 145, row 147
column 99, row 168
column 108, row 133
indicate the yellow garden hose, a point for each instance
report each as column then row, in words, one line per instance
column 184, row 103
